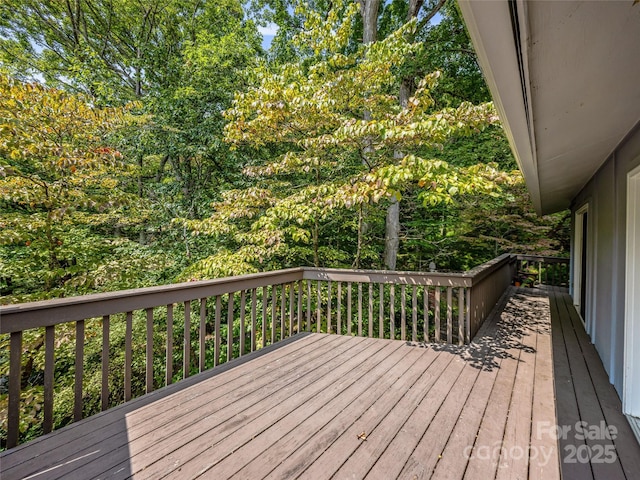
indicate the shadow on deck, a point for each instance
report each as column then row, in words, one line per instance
column 328, row 406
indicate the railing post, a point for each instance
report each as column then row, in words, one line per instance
column 15, row 378
column 460, row 316
column 49, row 361
column 254, row 305
column 436, row 312
column 79, row 370
column 168, row 377
column 243, row 333
column 104, row 391
column 149, row 352
column 371, row 310
column 202, row 335
column 230, row 319
column 264, row 316
column 349, row 308
column 186, row 347
column 381, row 312
column 329, row 289
column 339, row 313
column 467, row 333
column 128, row 356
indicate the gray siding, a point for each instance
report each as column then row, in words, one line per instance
column 606, row 194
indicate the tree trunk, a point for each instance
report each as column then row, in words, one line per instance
column 392, row 222
column 391, row 234
column 356, row 261
column 369, row 11
column 392, row 227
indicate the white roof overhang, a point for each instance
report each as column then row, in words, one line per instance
column 565, row 78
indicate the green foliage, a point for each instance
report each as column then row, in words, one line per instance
column 229, row 161
column 62, row 187
column 340, row 126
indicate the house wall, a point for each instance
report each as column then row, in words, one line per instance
column 606, row 194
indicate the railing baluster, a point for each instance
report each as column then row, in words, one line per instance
column 274, row 309
column 104, row 391
column 79, row 367
column 254, row 306
column 349, row 308
column 308, row 328
column 425, row 313
column 339, row 321
column 371, row 310
column 15, row 378
column 318, row 307
column 460, row 316
column 149, row 352
column 436, row 311
column 467, row 330
column 392, row 312
column 49, row 363
column 128, row 356
column 202, row 335
column 216, row 329
column 291, row 300
column 403, row 312
column 329, row 288
column 186, row 347
column 449, row 313
column 414, row 314
column 299, row 306
column 381, row 312
column 359, row 309
column 168, row 377
column 243, row 306
column 230, row 319
column 283, row 309
column 539, row 272
column 264, row 316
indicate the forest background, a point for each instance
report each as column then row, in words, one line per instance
column 151, row 142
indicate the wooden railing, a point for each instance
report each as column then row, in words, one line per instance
column 535, row 270
column 190, row 327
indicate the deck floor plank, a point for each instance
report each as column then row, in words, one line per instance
column 598, row 403
column 339, row 409
column 44, row 451
column 484, row 457
column 336, row 396
column 346, row 427
column 514, row 459
column 454, row 458
column 346, row 444
column 106, row 450
column 158, row 453
column 566, row 403
column 544, row 459
column 297, row 409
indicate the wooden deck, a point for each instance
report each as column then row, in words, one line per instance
column 325, row 406
column 584, row 394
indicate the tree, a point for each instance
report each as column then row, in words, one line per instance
column 62, row 185
column 180, row 59
column 333, row 161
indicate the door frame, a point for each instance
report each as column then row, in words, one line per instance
column 578, row 287
column 631, row 385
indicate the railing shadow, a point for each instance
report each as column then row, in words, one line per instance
column 524, row 312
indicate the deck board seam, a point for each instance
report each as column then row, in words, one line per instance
column 294, row 380
column 359, row 374
column 400, row 363
column 182, row 386
column 165, row 400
